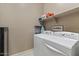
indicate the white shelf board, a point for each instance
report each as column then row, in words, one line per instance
column 64, row 13
column 68, row 12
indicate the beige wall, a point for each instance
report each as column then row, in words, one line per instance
column 70, row 22
column 21, row 19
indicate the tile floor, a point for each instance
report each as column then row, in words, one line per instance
column 24, row 53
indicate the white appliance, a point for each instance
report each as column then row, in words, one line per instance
column 53, row 45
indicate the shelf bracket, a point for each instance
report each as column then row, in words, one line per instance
column 56, row 19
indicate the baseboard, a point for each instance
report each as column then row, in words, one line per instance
column 26, row 53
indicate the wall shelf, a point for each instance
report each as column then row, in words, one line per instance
column 62, row 14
